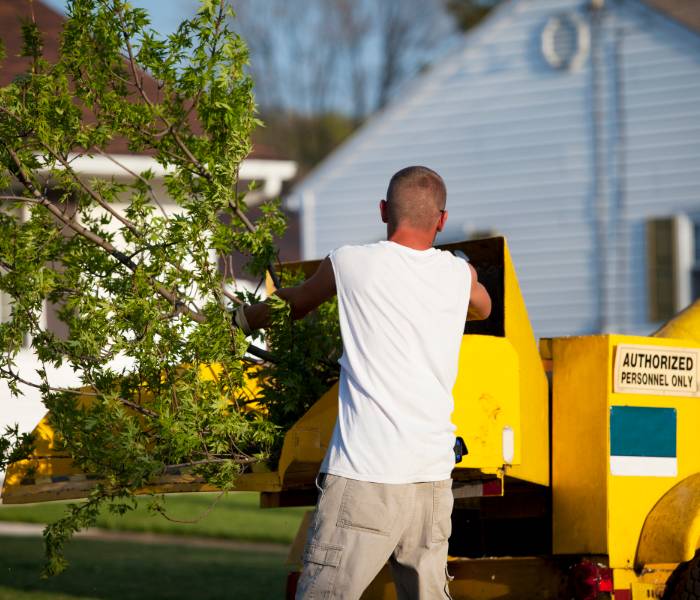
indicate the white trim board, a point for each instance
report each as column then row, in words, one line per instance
column 644, row 466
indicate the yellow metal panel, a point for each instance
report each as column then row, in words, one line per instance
column 623, row 579
column 534, row 389
column 646, row 590
column 487, row 399
column 649, row 584
column 505, row 577
column 492, row 255
column 579, row 444
column 307, row 440
column 488, row 579
column 655, row 577
column 593, row 510
column 632, row 499
column 684, row 326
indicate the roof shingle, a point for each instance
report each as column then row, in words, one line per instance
column 12, row 14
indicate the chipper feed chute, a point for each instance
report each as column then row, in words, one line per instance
column 501, row 412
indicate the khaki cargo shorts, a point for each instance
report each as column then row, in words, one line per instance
column 358, row 526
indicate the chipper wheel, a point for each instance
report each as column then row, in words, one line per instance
column 684, row 582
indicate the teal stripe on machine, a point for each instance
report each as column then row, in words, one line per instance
column 642, row 431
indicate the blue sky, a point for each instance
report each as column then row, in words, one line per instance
column 166, row 15
column 288, row 83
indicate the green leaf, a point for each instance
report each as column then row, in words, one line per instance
column 142, row 300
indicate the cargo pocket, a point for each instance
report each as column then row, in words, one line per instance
column 442, row 510
column 365, row 507
column 320, row 567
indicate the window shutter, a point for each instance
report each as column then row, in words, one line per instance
column 669, row 261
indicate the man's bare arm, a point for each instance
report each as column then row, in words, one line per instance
column 302, row 298
column 479, row 299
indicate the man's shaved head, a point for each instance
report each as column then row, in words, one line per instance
column 415, row 197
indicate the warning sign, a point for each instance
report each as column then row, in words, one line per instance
column 656, row 370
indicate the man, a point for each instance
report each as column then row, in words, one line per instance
column 385, row 487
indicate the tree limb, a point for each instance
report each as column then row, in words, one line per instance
column 237, row 458
column 113, row 251
column 96, row 197
column 191, row 521
column 199, row 167
column 96, row 239
column 136, row 176
column 39, row 386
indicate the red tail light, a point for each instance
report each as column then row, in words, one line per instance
column 292, row 581
column 588, row 579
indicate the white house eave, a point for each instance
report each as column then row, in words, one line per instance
column 271, row 173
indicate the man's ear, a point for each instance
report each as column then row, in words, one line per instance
column 442, row 221
column 384, row 211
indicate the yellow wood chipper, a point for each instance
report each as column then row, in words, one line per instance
column 582, row 477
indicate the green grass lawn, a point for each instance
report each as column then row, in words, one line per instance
column 236, row 516
column 125, row 571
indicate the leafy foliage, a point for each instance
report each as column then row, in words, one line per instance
column 147, row 311
column 14, row 446
column 307, row 352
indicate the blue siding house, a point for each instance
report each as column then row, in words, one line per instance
column 571, row 127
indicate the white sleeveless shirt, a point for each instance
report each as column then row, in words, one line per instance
column 402, row 315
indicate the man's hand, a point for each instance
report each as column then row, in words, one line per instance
column 479, row 299
column 302, row 298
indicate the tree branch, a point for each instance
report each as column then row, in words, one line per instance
column 20, row 199
column 136, row 176
column 191, row 521
column 199, row 167
column 96, row 239
column 133, row 405
column 105, row 205
column 113, row 251
column 240, row 459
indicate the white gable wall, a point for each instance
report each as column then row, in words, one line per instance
column 514, row 140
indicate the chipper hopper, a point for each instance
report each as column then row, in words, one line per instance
column 582, row 473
